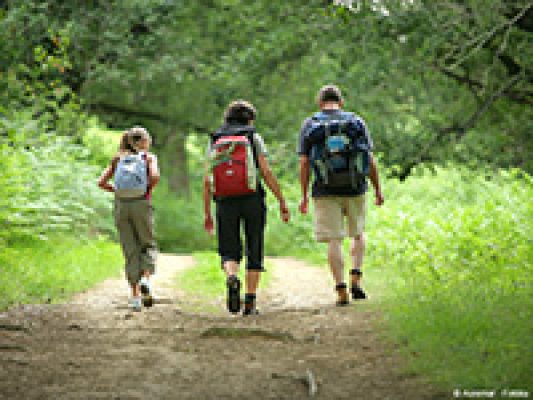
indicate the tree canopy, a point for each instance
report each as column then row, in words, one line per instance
column 435, row 81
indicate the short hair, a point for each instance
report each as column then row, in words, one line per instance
column 329, row 93
column 240, row 112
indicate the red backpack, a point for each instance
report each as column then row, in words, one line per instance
column 234, row 163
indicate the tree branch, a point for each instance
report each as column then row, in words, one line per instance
column 460, row 129
column 518, row 96
column 130, row 112
column 478, row 42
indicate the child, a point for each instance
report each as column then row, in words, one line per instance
column 135, row 173
column 234, row 207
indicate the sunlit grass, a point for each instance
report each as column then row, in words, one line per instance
column 54, row 269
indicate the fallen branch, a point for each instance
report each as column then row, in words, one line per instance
column 11, row 347
column 308, row 379
column 311, row 383
column 14, row 328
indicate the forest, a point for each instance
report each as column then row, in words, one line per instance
column 445, row 87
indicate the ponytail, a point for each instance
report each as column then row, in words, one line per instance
column 130, row 139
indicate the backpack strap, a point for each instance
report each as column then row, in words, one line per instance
column 144, row 156
column 248, row 131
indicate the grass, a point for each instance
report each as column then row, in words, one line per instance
column 54, row 269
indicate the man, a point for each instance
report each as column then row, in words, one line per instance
column 232, row 208
column 335, row 205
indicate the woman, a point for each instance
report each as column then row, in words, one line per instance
column 233, row 208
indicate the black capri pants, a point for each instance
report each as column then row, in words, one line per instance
column 233, row 212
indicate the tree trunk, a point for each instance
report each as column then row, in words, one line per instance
column 176, row 155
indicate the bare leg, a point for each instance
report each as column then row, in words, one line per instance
column 231, row 268
column 357, row 252
column 336, row 264
column 135, row 290
column 252, row 280
column 335, row 259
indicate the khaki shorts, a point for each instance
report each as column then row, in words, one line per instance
column 329, row 213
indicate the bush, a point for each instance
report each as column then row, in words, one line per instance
column 47, row 186
column 179, row 222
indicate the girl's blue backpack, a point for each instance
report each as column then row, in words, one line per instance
column 131, row 176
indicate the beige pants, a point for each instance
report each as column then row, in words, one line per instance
column 330, row 213
column 134, row 221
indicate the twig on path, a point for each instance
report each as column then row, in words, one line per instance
column 311, row 383
column 14, row 328
column 14, row 361
column 308, row 379
column 11, row 347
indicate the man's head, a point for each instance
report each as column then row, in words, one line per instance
column 240, row 112
column 330, row 97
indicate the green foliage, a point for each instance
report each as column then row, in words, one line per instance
column 179, row 222
column 430, row 78
column 46, row 185
column 455, row 250
column 101, row 143
column 52, row 270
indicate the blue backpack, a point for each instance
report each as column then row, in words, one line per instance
column 340, row 152
column 131, row 176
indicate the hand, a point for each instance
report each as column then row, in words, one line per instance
column 208, row 224
column 379, row 198
column 284, row 211
column 303, row 205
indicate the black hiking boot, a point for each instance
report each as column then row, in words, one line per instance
column 249, row 305
column 358, row 293
column 234, row 294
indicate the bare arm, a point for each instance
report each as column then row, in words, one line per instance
column 304, row 183
column 208, row 219
column 374, row 179
column 154, row 176
column 103, row 181
column 273, row 185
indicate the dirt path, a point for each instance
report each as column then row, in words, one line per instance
column 94, row 348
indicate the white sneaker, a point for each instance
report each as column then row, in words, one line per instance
column 146, row 292
column 135, row 304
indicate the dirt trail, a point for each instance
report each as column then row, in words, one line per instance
column 95, row 348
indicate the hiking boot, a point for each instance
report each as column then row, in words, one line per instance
column 342, row 295
column 358, row 293
column 234, row 294
column 249, row 305
column 146, row 292
column 250, row 310
column 135, row 304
